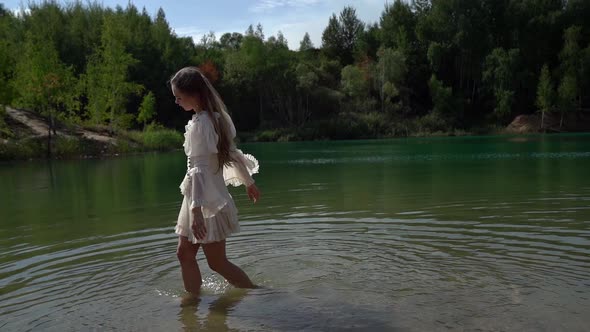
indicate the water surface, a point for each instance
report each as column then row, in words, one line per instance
column 477, row 233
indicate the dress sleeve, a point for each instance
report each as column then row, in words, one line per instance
column 243, row 166
column 241, row 169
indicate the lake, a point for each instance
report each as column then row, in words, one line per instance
column 418, row 234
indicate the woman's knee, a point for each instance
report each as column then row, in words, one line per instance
column 185, row 252
column 218, row 264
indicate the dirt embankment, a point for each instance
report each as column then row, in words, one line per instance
column 531, row 123
column 38, row 127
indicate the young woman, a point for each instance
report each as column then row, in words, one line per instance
column 208, row 214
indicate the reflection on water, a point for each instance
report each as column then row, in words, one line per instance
column 488, row 233
column 216, row 312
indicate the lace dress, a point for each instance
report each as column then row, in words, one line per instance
column 205, row 185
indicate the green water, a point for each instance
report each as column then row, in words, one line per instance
column 478, row 233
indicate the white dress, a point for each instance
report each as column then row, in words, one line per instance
column 205, row 185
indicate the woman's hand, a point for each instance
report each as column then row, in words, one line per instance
column 198, row 226
column 253, row 192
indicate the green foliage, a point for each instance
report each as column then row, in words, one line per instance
column 571, row 54
column 567, row 95
column 7, row 56
column 4, row 129
column 161, row 139
column 147, row 110
column 231, row 41
column 342, row 34
column 445, row 106
column 431, row 123
column 354, row 84
column 106, row 80
column 306, row 44
column 67, row 147
column 389, row 76
column 499, row 75
column 545, row 93
column 398, row 24
column 29, row 148
column 42, row 82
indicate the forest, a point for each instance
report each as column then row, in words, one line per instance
column 426, row 67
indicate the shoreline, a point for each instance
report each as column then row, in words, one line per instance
column 24, row 135
column 113, row 153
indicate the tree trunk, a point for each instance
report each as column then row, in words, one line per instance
column 49, row 140
column 260, row 114
column 52, row 123
column 561, row 120
column 306, row 108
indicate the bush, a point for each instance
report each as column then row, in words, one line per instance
column 66, row 146
column 29, row 148
column 270, row 135
column 162, row 139
column 432, row 122
column 4, row 129
column 374, row 124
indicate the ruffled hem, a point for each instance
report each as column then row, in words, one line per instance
column 219, row 227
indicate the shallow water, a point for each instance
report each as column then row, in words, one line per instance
column 478, row 233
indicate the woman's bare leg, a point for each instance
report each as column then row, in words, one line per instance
column 218, row 262
column 187, row 256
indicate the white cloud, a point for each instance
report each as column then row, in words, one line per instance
column 269, row 5
column 191, row 31
column 294, row 31
column 293, row 18
column 18, row 12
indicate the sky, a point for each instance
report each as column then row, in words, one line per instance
column 292, row 17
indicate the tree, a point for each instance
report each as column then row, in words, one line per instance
column 147, row 110
column 567, row 92
column 106, row 79
column 572, row 68
column 43, row 82
column 281, row 40
column 368, row 43
column 442, row 98
column 209, row 40
column 250, row 31
column 305, row 44
column 259, row 33
column 307, row 80
column 353, row 82
column 341, row 35
column 231, row 41
column 8, row 54
column 397, row 25
column 390, row 73
column 355, row 85
column 499, row 75
column 545, row 93
column 246, row 69
column 331, row 37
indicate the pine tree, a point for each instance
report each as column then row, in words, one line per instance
column 305, row 43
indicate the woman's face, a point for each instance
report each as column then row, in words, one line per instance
column 186, row 101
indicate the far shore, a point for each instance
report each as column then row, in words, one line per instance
column 25, row 136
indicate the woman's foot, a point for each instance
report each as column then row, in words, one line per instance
column 189, row 299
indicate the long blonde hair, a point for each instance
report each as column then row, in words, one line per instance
column 190, row 80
